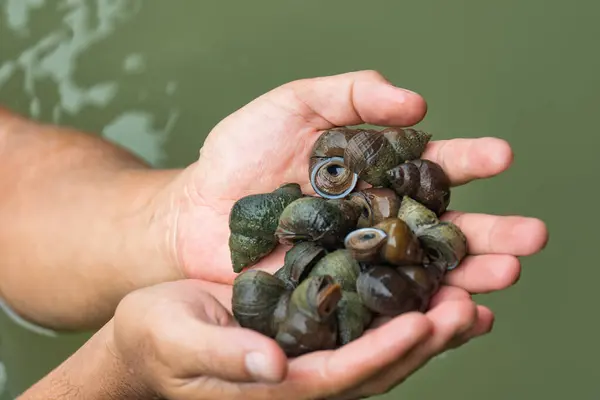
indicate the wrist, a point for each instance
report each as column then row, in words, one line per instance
column 94, row 372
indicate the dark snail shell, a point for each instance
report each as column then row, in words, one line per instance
column 352, row 316
column 298, row 262
column 424, row 181
column 329, row 176
column 315, row 219
column 392, row 291
column 256, row 297
column 252, row 223
column 389, row 242
column 376, row 204
column 384, row 291
column 310, row 323
column 443, row 241
column 370, row 153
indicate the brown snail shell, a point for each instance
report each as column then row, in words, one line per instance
column 310, row 323
column 389, row 242
column 424, row 181
column 443, row 241
column 255, row 298
column 298, row 262
column 376, row 204
column 370, row 153
column 329, row 176
column 252, row 223
column 319, row 220
column 393, row 291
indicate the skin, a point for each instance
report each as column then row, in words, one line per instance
column 146, row 228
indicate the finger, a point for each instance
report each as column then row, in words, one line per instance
column 484, row 325
column 194, row 348
column 484, row 274
column 448, row 293
column 324, row 374
column 492, row 234
column 464, row 160
column 351, row 99
column 450, row 319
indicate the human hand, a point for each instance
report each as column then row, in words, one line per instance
column 267, row 143
column 179, row 341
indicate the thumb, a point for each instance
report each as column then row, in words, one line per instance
column 236, row 354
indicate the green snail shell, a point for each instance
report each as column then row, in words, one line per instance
column 408, row 143
column 252, row 223
column 341, row 266
column 256, row 297
column 298, row 262
column 353, row 317
column 310, row 323
column 424, row 181
column 315, row 219
column 443, row 241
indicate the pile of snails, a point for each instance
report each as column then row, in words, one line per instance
column 355, row 254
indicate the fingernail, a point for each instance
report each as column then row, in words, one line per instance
column 259, row 367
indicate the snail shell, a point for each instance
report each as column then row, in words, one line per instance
column 370, row 153
column 393, row 291
column 389, row 242
column 424, row 181
column 329, row 176
column 315, row 219
column 352, row 316
column 376, row 205
column 252, row 223
column 256, row 297
column 298, row 262
column 444, row 243
column 310, row 323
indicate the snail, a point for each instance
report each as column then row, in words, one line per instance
column 391, row 291
column 389, row 242
column 300, row 320
column 329, row 176
column 297, row 263
column 443, row 241
column 315, row 219
column 252, row 222
column 376, row 205
column 423, row 180
column 352, row 316
column 371, row 153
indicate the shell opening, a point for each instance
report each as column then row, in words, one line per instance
column 335, row 170
column 365, row 243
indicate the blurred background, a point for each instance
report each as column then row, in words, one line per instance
column 156, row 76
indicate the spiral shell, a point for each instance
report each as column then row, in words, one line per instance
column 298, row 262
column 310, row 323
column 329, row 176
column 371, row 153
column 252, row 223
column 443, row 241
column 424, row 181
column 315, row 219
column 255, row 299
column 389, row 242
column 376, row 204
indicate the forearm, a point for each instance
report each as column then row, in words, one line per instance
column 78, row 230
column 91, row 373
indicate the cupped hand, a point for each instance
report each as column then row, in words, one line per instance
column 268, row 142
column 178, row 341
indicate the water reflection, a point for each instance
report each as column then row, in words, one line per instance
column 46, row 44
column 60, row 63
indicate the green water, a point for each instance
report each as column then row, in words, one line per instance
column 157, row 75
